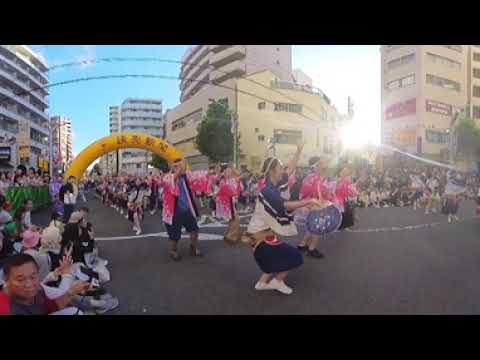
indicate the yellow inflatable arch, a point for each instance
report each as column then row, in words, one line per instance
column 120, row 141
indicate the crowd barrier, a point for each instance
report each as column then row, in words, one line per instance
column 39, row 196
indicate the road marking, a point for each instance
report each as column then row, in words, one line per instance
column 408, row 227
column 202, row 236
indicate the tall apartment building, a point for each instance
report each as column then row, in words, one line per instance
column 423, row 86
column 211, row 72
column 62, row 143
column 203, row 64
column 138, row 115
column 294, row 111
column 24, row 122
column 114, row 127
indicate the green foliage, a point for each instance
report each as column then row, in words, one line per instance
column 159, row 163
column 468, row 138
column 215, row 138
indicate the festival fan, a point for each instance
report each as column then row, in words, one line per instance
column 325, row 220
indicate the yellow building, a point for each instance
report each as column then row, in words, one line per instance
column 272, row 117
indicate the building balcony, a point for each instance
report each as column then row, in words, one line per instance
column 194, row 73
column 218, row 48
column 232, row 70
column 197, row 83
column 142, row 123
column 200, row 59
column 25, row 71
column 228, row 55
column 143, row 114
column 10, row 77
column 24, row 103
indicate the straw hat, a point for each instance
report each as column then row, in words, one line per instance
column 51, row 239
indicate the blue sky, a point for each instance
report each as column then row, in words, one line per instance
column 340, row 71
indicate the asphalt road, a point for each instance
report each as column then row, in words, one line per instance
column 421, row 266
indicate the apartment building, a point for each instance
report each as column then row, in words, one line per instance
column 224, row 72
column 272, row 122
column 423, row 87
column 137, row 115
column 62, row 143
column 204, row 66
column 24, row 122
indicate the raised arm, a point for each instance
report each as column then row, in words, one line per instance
column 292, row 166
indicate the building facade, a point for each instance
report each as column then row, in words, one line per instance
column 61, row 143
column 292, row 113
column 24, row 122
column 217, row 64
column 266, row 71
column 423, row 87
column 138, row 115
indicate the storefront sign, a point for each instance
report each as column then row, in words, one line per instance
column 405, row 137
column 438, row 107
column 24, row 134
column 5, row 153
column 24, row 152
column 401, row 109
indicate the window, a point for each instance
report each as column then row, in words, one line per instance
column 256, row 130
column 401, row 83
column 476, row 112
column 261, row 105
column 261, row 138
column 454, row 47
column 278, row 49
column 476, row 56
column 441, row 60
column 139, row 166
column 278, row 62
column 476, row 91
column 476, row 73
column 287, row 136
column 404, row 60
column 296, row 108
column 442, row 82
column 327, row 145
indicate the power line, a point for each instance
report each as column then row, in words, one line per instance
column 155, row 59
column 151, row 76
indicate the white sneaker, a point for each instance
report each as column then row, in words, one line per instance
column 126, row 216
column 264, row 286
column 449, row 219
column 152, row 212
column 134, row 228
column 456, row 218
column 121, row 211
column 280, row 286
column 139, row 231
column 426, row 212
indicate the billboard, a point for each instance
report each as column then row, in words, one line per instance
column 438, row 107
column 400, row 109
column 5, row 153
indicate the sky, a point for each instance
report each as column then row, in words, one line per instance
column 340, row 71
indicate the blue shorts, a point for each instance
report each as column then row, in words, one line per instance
column 181, row 219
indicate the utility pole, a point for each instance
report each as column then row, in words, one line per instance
column 235, row 130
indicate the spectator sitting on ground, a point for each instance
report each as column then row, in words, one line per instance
column 56, row 221
column 50, row 241
column 24, row 294
column 5, row 216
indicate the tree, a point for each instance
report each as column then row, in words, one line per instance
column 215, row 138
column 468, row 139
column 159, row 163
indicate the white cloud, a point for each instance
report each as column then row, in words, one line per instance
column 88, row 54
